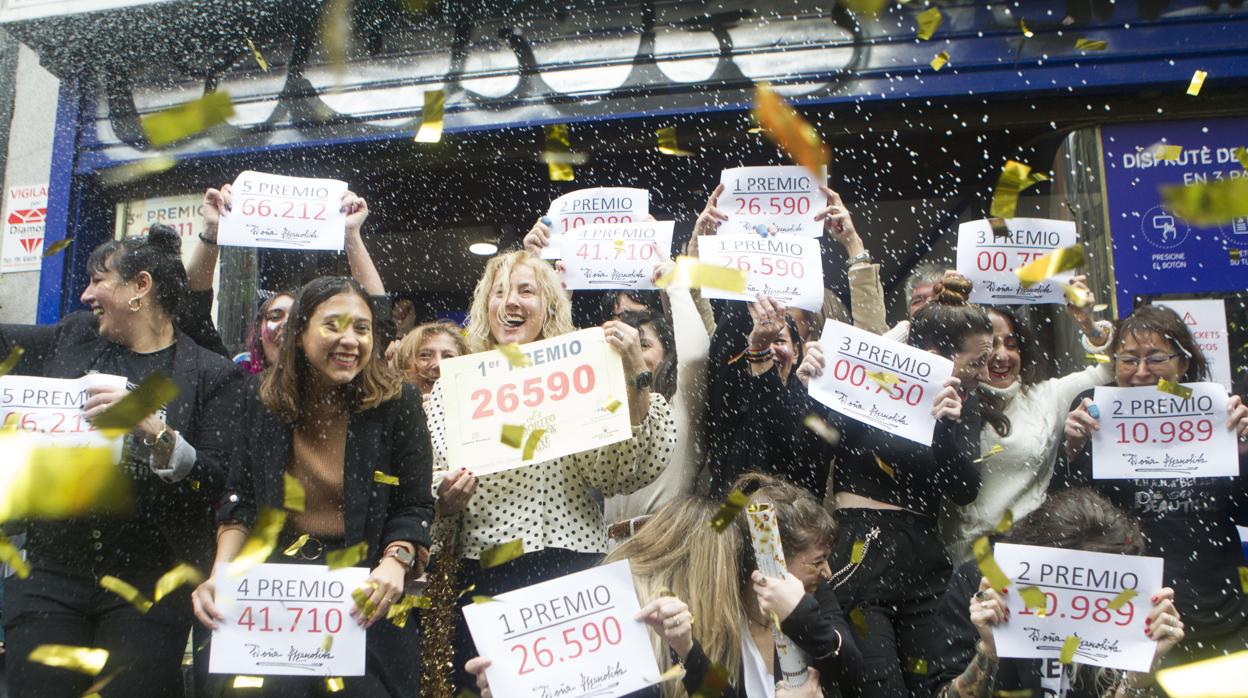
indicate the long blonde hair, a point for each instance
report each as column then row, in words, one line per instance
column 558, row 307
column 677, row 551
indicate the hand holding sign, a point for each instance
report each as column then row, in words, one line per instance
column 780, row 200
column 610, row 256
column 274, row 211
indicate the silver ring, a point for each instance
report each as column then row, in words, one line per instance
column 766, row 322
column 979, row 596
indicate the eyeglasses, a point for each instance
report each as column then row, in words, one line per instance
column 1130, row 361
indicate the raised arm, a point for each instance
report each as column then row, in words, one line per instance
column 866, row 293
column 361, row 262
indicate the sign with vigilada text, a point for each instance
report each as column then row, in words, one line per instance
column 25, row 210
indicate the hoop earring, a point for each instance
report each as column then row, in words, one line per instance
column 135, row 304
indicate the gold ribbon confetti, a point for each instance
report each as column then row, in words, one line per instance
column 11, row 556
column 85, row 660
column 1099, row 358
column 996, row 448
column 822, row 429
column 512, row 435
column 676, row 671
column 10, row 361
column 1221, row 677
column 327, row 643
column 94, row 690
column 917, row 665
column 174, row 578
column 255, row 52
column 57, row 482
column 123, row 589
column 1175, row 389
column 57, row 247
column 865, row 7
column 431, row 117
column 346, row 557
column 883, row 378
column 125, row 414
column 729, row 510
column 988, row 564
column 502, row 554
column 668, row 144
column 1022, row 24
column 248, row 682
column 184, row 120
column 1077, row 295
column 1208, row 204
column 794, row 134
column 399, row 612
column 1014, row 178
column 855, row 556
column 385, row 479
column 1019, row 693
column 1122, row 599
column 859, row 620
column 295, row 497
column 1006, row 522
column 888, row 469
column 940, row 60
column 612, row 404
column 131, row 171
column 334, row 684
column 1241, row 154
column 1198, row 81
column 714, row 684
column 1055, row 262
column 530, row 444
column 363, row 598
column 1243, row 579
column 481, row 598
column 294, row 548
column 514, row 355
column 559, row 143
column 1034, row 599
column 1082, row 44
column 1168, row 153
column 929, row 21
column 1068, row 649
column 693, row 273
column 260, row 544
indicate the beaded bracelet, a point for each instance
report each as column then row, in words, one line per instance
column 758, row 357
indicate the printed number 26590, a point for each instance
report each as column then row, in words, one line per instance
column 533, row 392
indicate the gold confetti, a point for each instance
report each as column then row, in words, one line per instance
column 294, row 548
column 1022, row 24
column 530, row 444
column 940, row 60
column 125, row 414
column 480, row 598
column 385, row 479
column 1091, row 45
column 85, row 660
column 1221, row 677
column 612, row 405
column 917, row 665
column 342, row 322
column 94, row 690
column 346, row 557
column 1176, row 389
column 1100, row 307
column 996, row 448
column 883, row 378
column 1068, row 649
column 1019, row 693
column 57, row 482
column 363, row 598
column 248, row 682
column 859, row 619
column 333, row 684
column 467, row 589
column 988, row 564
column 1099, row 358
column 174, row 578
column 327, row 643
column 693, row 273
column 1168, row 153
column 431, row 117
column 295, row 498
column 1243, row 579
column 255, row 52
column 513, row 435
column 127, row 592
column 11, row 556
column 676, row 671
column 502, row 554
column 1208, row 204
column 1241, row 154
column 514, row 355
column 1013, row 179
column 260, row 544
column 1077, row 295
column 558, row 142
column 865, row 7
column 822, row 429
column 1055, row 262
column 929, row 21
column 1034, row 599
column 399, row 612
column 714, row 684
column 131, row 171
column 855, row 557
column 57, row 247
column 729, row 510
column 10, row 361
column 1007, row 520
column 668, row 144
column 1122, row 599
column 1198, row 81
column 794, row 134
column 184, row 120
column 888, row 469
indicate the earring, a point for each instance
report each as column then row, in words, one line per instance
column 135, row 304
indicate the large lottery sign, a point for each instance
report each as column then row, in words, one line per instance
column 598, row 206
column 52, row 408
column 989, row 258
column 614, row 256
column 880, row 382
column 292, row 213
column 780, row 200
column 786, row 268
column 570, row 397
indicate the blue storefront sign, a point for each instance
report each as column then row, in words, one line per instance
column 1155, row 252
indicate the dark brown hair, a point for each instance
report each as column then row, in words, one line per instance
column 804, row 523
column 665, row 372
column 1080, row 519
column 283, row 388
column 1156, row 319
column 159, row 253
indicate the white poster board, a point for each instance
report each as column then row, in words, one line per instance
column 52, row 408
column 598, row 206
column 989, row 261
column 567, row 390
column 611, row 256
column 183, row 212
column 1078, row 587
column 1146, row 433
column 288, row 213
column 574, row 636
column 1206, row 319
column 901, row 403
column 278, row 619
column 25, row 212
column 783, row 200
column 786, row 268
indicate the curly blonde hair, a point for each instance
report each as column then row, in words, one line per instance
column 409, row 346
column 558, row 307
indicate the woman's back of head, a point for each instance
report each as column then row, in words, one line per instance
column 949, row 318
column 1080, row 519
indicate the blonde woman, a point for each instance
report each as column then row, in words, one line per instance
column 421, row 352
column 548, row 505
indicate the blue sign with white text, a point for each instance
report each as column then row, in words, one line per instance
column 1155, row 252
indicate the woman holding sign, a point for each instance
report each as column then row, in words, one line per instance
column 891, row 563
column 333, row 418
column 546, row 505
column 174, row 465
column 1188, row 521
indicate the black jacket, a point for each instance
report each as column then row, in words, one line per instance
column 391, row 438
column 814, row 626
column 203, row 413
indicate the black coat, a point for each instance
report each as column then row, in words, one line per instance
column 391, row 438
column 203, row 413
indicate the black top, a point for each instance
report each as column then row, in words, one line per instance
column 390, row 438
column 1190, row 523
column 170, row 521
column 818, row 627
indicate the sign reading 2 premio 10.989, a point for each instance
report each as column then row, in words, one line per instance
column 573, row 637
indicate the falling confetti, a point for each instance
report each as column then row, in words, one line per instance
column 255, row 52
column 294, row 548
column 1090, row 45
column 855, row 555
column 125, row 414
column 260, row 544
column 431, row 117
column 996, row 448
column 1198, row 81
column 174, row 578
column 1208, row 204
column 729, row 510
column 888, row 469
column 883, row 378
column 822, row 429
column 917, row 665
column 514, row 355
column 1241, row 154
column 385, row 479
column 248, row 682
column 512, row 435
column 667, row 143
column 502, row 554
column 1068, row 649
column 57, row 482
column 794, row 134
column 1007, row 519
column 1175, row 389
column 346, row 557
column 126, row 591
column 1222, row 677
column 692, row 273
column 1051, row 264
column 295, row 498
column 558, row 147
column 334, row 684
column 1034, row 599
column 859, row 620
column 612, row 405
column 1122, row 599
column 1168, row 153
column 85, row 660
column 929, row 21
column 1099, row 358
column 185, row 120
column 530, row 444
column 1022, row 24
column 1012, row 181
column 940, row 60
column 10, row 361
column 132, row 171
column 1077, row 296
column 676, row 671
column 988, row 564
column 11, row 556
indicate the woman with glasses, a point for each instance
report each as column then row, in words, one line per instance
column 1190, row 522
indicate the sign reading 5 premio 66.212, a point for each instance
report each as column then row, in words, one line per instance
column 293, row 213
column 570, row 397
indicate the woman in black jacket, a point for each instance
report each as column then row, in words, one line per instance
column 174, row 459
column 334, row 417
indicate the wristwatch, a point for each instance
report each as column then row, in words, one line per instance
column 402, row 555
column 643, row 380
column 862, row 258
column 163, row 438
